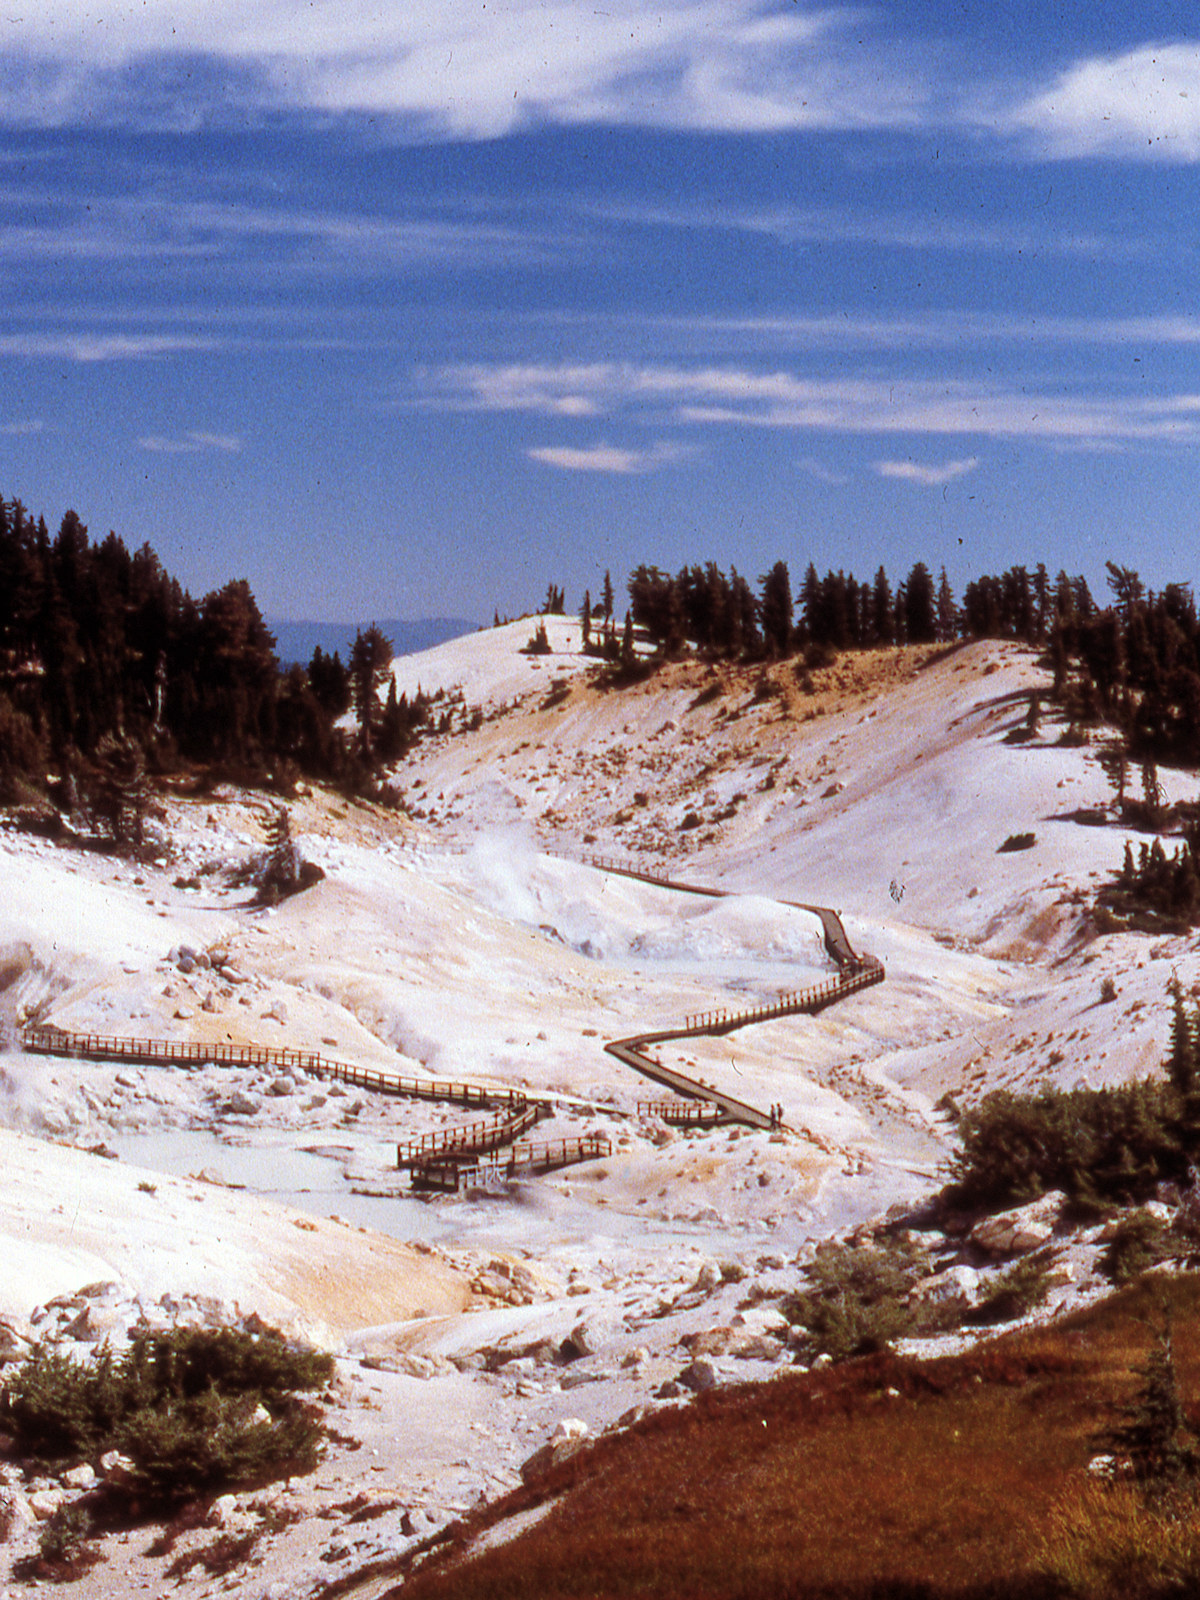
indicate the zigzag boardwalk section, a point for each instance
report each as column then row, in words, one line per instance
column 856, row 972
column 448, row 1176
column 469, row 1139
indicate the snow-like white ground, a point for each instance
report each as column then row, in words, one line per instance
column 471, row 936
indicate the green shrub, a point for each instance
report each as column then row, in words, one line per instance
column 1098, row 1145
column 62, row 1541
column 858, row 1301
column 184, row 1406
column 216, row 1441
column 1138, row 1243
column 1015, row 1293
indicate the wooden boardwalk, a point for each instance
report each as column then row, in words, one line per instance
column 855, row 972
column 445, row 1159
column 449, row 1176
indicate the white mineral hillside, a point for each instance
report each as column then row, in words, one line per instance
column 469, row 935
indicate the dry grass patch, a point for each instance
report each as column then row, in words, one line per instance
column 943, row 1479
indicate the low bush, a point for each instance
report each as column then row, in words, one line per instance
column 1015, row 1293
column 63, row 1539
column 195, row 1410
column 1139, row 1242
column 858, row 1301
column 1100, row 1146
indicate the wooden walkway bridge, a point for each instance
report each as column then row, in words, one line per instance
column 855, row 972
column 448, row 1176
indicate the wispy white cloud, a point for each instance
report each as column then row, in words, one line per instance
column 97, row 346
column 741, row 397
column 930, row 477
column 13, row 430
column 1142, row 102
column 607, row 458
column 278, row 235
column 890, row 228
column 194, row 442
column 459, row 67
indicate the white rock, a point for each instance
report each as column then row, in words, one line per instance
column 81, row 1477
column 755, row 1347
column 570, row 1428
column 224, row 1507
column 1019, row 1231
column 957, row 1285
column 45, row 1502
column 115, row 1467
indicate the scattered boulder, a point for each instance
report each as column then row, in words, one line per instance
column 45, row 1502
column 1019, row 1231
column 116, row 1469
column 699, row 1376
column 570, row 1428
column 957, row 1286
column 15, row 1511
column 551, row 1454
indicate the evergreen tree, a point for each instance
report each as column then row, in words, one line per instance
column 117, row 790
column 330, row 682
column 608, row 597
column 1154, row 1434
column 1152, row 793
column 370, row 658
column 947, row 610
column 585, row 618
column 920, row 624
column 882, row 629
column 628, row 654
column 1181, row 1063
column 777, row 609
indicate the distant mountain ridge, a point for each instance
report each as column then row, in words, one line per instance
column 296, row 641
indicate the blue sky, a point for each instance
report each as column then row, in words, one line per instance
column 409, row 309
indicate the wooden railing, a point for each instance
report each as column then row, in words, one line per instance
column 178, row 1052
column 437, row 1159
column 681, row 1110
column 447, row 1176
column 469, row 1139
column 808, row 1001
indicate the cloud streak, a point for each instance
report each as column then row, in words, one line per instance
column 194, row 442
column 458, row 68
column 740, row 397
column 607, row 458
column 928, row 477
